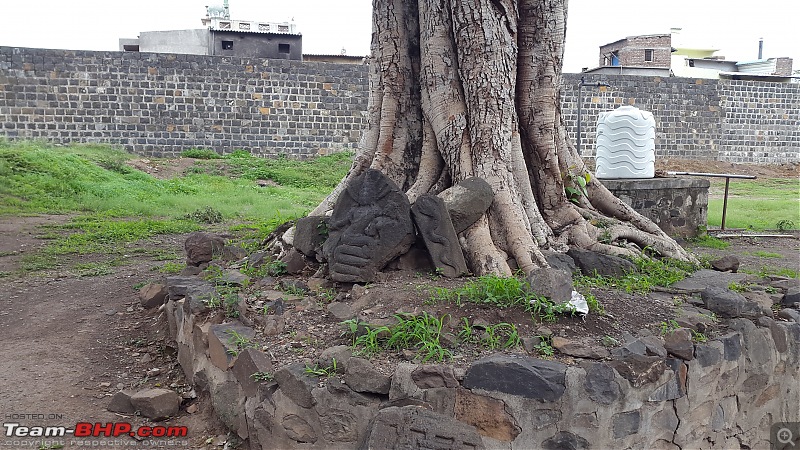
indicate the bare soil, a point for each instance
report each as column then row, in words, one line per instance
column 70, row 342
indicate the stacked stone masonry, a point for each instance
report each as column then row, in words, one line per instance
column 723, row 394
column 162, row 104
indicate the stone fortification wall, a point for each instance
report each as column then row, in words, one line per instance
column 726, row 120
column 162, row 104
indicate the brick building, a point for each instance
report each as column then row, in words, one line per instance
column 652, row 50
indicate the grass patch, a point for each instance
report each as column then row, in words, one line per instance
column 710, row 242
column 420, row 333
column 93, row 234
column 41, row 178
column 172, row 268
column 763, row 254
column 119, row 205
column 651, row 273
column 766, row 271
column 761, row 204
column 93, row 269
column 502, row 292
column 200, row 153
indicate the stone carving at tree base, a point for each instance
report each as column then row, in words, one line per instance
column 370, row 226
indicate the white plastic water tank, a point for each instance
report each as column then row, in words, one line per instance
column 626, row 143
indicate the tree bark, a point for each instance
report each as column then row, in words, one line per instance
column 462, row 88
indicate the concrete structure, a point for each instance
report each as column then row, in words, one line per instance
column 161, row 104
column 224, row 37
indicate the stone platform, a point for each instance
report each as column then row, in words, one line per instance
column 678, row 205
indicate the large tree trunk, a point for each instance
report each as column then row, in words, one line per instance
column 462, row 88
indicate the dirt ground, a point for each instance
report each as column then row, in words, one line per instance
column 70, row 342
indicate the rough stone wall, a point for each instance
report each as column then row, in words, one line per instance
column 679, row 206
column 722, row 394
column 736, row 121
column 162, row 104
column 761, row 121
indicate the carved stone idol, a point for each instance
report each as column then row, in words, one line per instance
column 370, row 225
column 440, row 238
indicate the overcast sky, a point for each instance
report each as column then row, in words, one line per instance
column 328, row 26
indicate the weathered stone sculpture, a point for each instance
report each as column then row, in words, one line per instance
column 370, row 226
column 433, row 221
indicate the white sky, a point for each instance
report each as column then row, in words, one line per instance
column 733, row 26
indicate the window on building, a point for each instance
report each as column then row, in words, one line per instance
column 648, row 55
column 227, row 45
column 283, row 48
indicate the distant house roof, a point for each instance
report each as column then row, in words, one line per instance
column 634, row 37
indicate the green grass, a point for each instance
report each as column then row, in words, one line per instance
column 419, row 333
column 763, row 254
column 40, row 178
column 114, row 204
column 502, row 292
column 652, row 272
column 761, row 204
column 710, row 242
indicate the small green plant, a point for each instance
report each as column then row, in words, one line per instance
column 172, row 267
column 466, row 334
column 50, row 445
column 711, row 316
column 293, row 290
column 322, row 228
column 594, row 304
column 206, row 215
column 212, row 301
column 420, row 333
column 575, row 186
column 785, row 225
column 771, row 290
column 650, row 272
column 545, row 346
column 668, row 326
column 327, row 295
column 239, row 342
column 276, row 268
column 230, row 302
column 698, row 337
column 317, row 371
column 261, row 377
column 501, row 335
column 608, row 341
column 736, row 287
